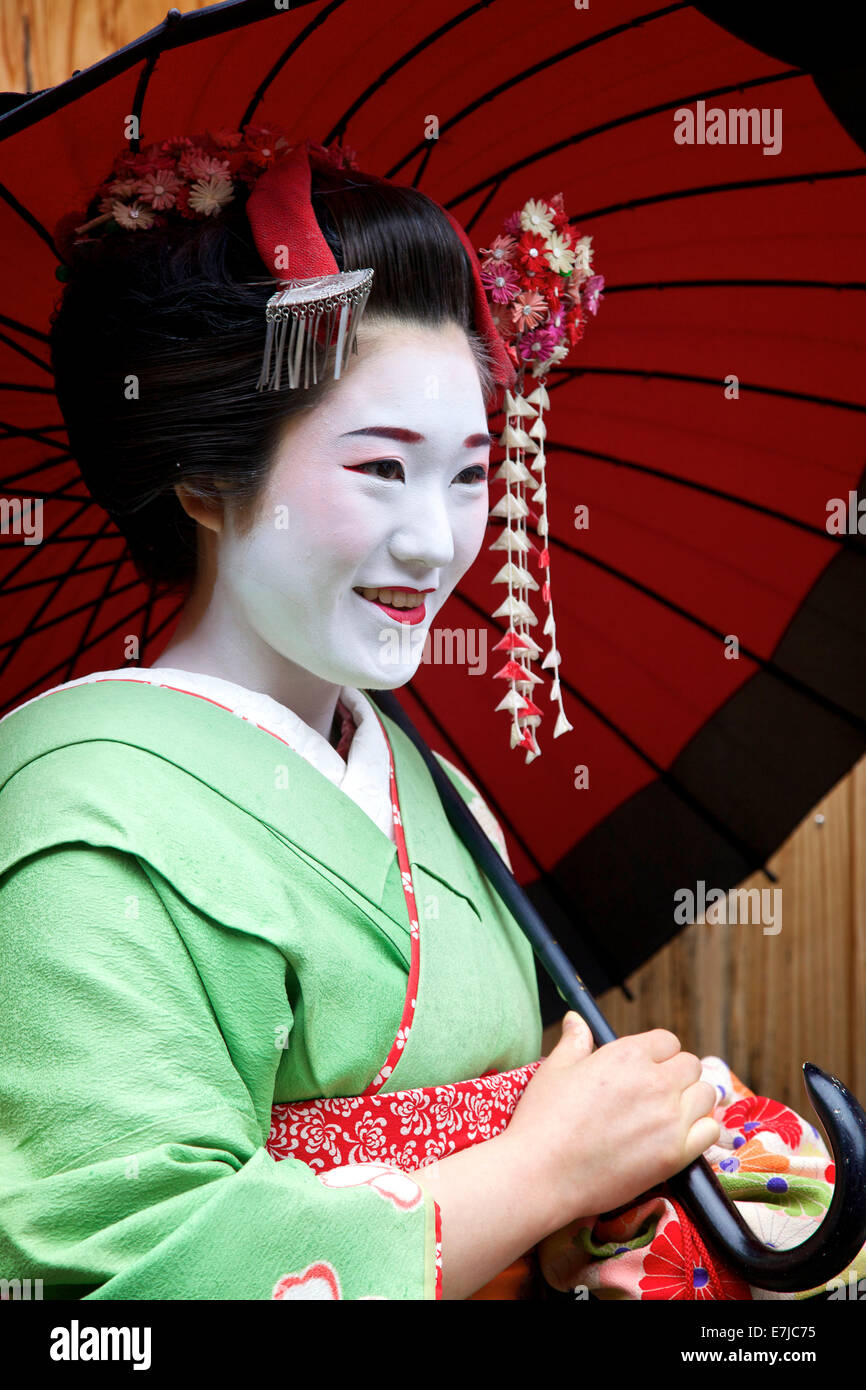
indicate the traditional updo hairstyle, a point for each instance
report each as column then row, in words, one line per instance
column 181, row 308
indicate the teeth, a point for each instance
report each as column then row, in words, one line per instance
column 395, row 599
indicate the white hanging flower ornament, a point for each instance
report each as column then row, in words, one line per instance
column 540, row 272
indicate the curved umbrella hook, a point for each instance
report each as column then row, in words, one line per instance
column 842, row 1233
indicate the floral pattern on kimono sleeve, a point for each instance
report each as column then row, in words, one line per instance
column 478, row 806
column 321, row 1280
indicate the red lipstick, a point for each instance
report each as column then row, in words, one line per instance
column 403, row 615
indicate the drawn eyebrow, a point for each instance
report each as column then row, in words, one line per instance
column 472, row 441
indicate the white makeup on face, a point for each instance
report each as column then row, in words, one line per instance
column 345, row 508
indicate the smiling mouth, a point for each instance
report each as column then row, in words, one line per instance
column 405, row 605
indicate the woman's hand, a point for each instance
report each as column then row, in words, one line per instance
column 598, row 1128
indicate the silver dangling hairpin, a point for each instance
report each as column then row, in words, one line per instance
column 296, row 313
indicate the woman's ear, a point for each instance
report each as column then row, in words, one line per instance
column 206, row 510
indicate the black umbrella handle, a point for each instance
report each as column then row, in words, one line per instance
column 842, row 1234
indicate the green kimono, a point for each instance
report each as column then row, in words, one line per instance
column 195, row 923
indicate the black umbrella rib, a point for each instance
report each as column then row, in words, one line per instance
column 16, row 569
column 26, row 386
column 568, row 141
column 8, row 431
column 141, row 87
column 38, row 467
column 651, row 373
column 81, row 644
column 127, row 618
column 57, row 538
column 765, row 663
column 399, row 65
column 24, row 352
column 25, row 328
column 422, row 165
column 590, row 942
column 747, row 852
column 6, row 589
column 81, row 536
column 7, row 435
column 33, row 222
column 287, row 53
column 33, row 629
column 45, row 430
column 543, row 65
column 483, row 205
column 36, row 435
column 18, row 642
column 47, row 494
column 706, row 489
column 733, row 186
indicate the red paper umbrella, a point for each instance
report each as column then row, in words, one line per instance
column 701, row 440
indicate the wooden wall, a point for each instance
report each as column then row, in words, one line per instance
column 764, row 1003
column 768, row 1003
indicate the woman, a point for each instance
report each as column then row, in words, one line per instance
column 204, row 937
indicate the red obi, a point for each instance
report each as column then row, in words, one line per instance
column 409, row 1129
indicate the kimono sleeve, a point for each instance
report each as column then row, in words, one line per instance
column 478, row 806
column 132, row 1165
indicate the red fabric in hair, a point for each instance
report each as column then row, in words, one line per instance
column 280, row 213
column 504, row 371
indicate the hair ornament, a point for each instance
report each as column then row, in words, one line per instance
column 194, row 178
column 302, row 317
column 537, row 274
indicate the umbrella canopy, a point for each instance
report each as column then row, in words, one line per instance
column 704, row 449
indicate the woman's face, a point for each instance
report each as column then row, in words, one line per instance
column 382, row 486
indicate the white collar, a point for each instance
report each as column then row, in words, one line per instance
column 364, row 776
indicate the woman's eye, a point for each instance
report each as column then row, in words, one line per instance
column 478, row 474
column 393, row 468
column 385, row 466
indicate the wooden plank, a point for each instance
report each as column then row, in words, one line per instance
column 43, row 42
column 768, row 1002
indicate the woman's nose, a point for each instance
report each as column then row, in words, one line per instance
column 424, row 536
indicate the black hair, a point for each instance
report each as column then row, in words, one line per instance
column 157, row 344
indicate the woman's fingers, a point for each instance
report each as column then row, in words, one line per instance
column 661, row 1044
column 684, row 1069
column 576, row 1031
column 702, row 1134
column 698, row 1101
